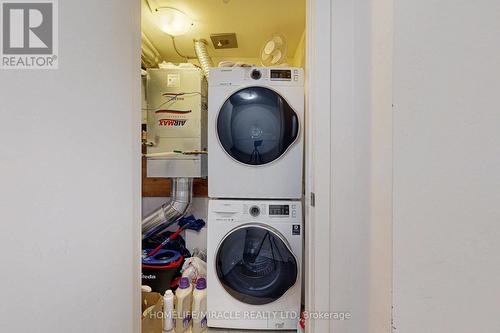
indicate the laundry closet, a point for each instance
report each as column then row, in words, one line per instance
column 223, row 123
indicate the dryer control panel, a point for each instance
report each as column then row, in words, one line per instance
column 238, row 76
column 284, row 74
column 262, row 210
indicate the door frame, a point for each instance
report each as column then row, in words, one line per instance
column 349, row 163
column 317, row 196
column 337, row 32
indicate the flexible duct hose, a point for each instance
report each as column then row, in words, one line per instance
column 180, row 201
column 200, row 47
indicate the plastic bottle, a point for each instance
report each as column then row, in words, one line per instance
column 200, row 306
column 183, row 299
column 146, row 289
column 168, row 311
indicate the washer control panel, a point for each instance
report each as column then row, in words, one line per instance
column 255, row 211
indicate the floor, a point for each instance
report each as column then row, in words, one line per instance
column 218, row 330
column 214, row 330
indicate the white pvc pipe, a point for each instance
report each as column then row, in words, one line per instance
column 149, row 54
column 163, row 154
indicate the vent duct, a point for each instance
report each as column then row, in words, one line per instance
column 180, row 201
column 200, row 47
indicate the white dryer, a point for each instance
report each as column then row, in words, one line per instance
column 255, row 132
column 254, row 261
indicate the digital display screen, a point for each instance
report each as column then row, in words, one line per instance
column 281, row 74
column 283, row 210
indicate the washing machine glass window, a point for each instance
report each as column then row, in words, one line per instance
column 256, row 125
column 255, row 265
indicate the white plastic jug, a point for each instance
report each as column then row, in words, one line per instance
column 183, row 300
column 200, row 306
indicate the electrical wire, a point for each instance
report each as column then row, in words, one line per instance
column 178, row 52
column 172, row 98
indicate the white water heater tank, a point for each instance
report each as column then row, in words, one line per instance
column 176, row 126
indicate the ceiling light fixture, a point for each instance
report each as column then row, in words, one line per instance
column 172, row 21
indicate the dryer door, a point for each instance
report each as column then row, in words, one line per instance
column 256, row 125
column 255, row 265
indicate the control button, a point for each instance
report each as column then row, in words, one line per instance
column 294, row 213
column 254, row 211
column 256, row 74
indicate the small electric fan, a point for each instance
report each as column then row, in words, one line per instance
column 274, row 51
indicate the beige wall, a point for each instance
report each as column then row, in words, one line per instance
column 299, row 58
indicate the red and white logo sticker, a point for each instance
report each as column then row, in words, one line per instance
column 172, row 122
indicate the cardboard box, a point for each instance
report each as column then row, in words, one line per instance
column 152, row 319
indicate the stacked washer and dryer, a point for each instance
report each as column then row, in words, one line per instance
column 255, row 229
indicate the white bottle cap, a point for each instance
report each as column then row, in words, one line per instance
column 146, row 289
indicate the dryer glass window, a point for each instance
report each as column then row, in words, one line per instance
column 256, row 125
column 255, row 266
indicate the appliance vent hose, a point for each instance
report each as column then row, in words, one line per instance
column 200, row 47
column 180, row 200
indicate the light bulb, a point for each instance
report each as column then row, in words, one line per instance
column 172, row 21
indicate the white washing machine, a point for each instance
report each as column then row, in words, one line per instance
column 254, row 264
column 255, row 132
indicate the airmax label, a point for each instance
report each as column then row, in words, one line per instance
column 172, row 122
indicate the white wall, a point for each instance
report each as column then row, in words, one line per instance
column 447, row 166
column 69, row 177
column 348, row 242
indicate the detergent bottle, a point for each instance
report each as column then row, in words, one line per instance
column 183, row 300
column 200, row 306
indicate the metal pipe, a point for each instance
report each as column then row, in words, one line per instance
column 180, row 200
column 200, row 47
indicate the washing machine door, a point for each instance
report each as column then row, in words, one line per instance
column 256, row 125
column 255, row 265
